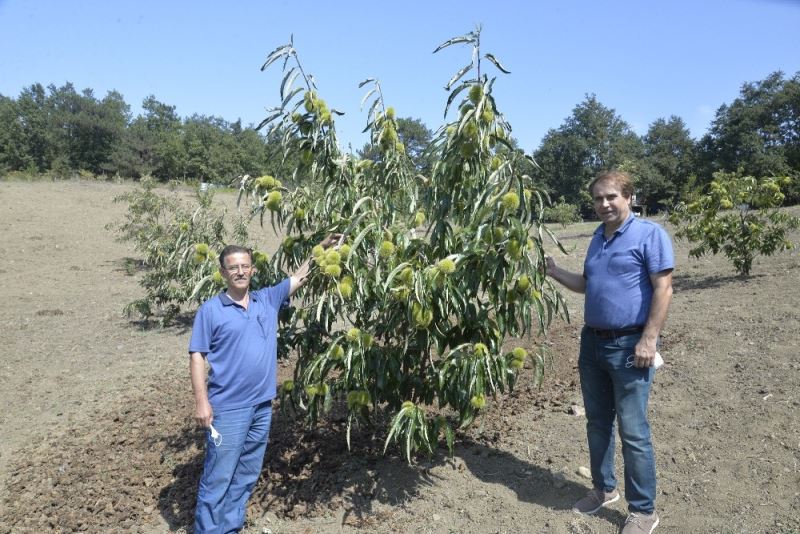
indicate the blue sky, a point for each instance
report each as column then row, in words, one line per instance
column 645, row 59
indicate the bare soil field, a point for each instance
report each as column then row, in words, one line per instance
column 96, row 433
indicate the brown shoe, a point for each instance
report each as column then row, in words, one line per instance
column 595, row 500
column 638, row 523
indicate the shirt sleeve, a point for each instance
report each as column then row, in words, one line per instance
column 278, row 295
column 201, row 331
column 658, row 251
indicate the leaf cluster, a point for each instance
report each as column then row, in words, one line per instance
column 409, row 314
column 738, row 216
column 180, row 244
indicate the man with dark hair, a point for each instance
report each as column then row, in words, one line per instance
column 236, row 332
column 627, row 280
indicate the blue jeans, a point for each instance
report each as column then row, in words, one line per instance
column 231, row 469
column 613, row 389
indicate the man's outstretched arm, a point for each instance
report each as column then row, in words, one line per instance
column 299, row 277
column 572, row 281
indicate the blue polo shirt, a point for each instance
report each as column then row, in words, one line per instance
column 241, row 346
column 617, row 273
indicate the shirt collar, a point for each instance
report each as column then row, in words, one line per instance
column 601, row 229
column 227, row 301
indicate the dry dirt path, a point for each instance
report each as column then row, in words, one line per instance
column 96, row 433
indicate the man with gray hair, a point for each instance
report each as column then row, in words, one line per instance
column 236, row 332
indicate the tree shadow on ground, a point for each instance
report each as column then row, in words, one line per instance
column 532, row 483
column 130, row 266
column 306, row 472
column 176, row 500
column 180, row 325
column 311, row 473
column 689, row 282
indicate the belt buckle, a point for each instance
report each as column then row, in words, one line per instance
column 603, row 333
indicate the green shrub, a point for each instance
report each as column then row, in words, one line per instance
column 180, row 244
column 738, row 216
column 562, row 213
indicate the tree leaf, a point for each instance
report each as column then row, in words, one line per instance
column 372, row 108
column 349, row 423
column 410, row 431
column 269, row 119
column 453, row 95
column 199, row 286
column 470, row 37
column 394, row 273
column 360, row 237
column 291, row 95
column 533, row 161
column 288, row 80
column 449, row 437
column 366, row 96
column 458, row 75
column 276, row 54
column 362, row 201
column 497, row 64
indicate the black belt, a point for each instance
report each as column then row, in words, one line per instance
column 610, row 334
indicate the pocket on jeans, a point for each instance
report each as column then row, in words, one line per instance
column 625, row 342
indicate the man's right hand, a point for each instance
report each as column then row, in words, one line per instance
column 203, row 414
column 550, row 263
column 572, row 281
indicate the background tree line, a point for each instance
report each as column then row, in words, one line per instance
column 58, row 130
column 757, row 134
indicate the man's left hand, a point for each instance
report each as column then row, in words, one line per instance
column 644, row 354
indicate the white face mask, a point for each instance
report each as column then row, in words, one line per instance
column 657, row 362
column 216, row 437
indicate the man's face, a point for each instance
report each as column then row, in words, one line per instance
column 238, row 270
column 611, row 207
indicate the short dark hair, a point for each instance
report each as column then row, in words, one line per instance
column 233, row 249
column 621, row 179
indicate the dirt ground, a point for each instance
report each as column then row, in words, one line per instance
column 96, row 433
